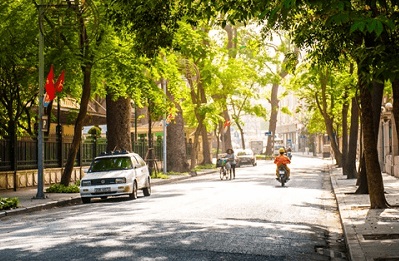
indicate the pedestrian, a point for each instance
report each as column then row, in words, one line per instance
column 232, row 160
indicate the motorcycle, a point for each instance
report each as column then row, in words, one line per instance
column 289, row 155
column 282, row 175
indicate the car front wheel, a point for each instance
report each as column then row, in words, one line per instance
column 133, row 195
column 86, row 200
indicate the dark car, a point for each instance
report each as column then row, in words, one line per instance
column 245, row 157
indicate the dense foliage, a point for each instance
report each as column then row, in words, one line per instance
column 8, row 203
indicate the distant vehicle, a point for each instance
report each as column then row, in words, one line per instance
column 115, row 174
column 245, row 157
column 256, row 146
column 277, row 148
column 278, row 143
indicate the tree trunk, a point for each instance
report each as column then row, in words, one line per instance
column 274, row 102
column 86, row 55
column 374, row 177
column 395, row 91
column 206, row 150
column 325, row 111
column 226, row 134
column 350, row 163
column 334, row 144
column 176, row 145
column 345, row 109
column 194, row 151
column 375, row 100
column 118, row 123
column 79, row 124
column 176, row 142
column 240, row 129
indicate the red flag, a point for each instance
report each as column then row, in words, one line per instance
column 226, row 124
column 60, row 82
column 50, row 90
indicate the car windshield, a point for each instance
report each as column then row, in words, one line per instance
column 244, row 153
column 114, row 163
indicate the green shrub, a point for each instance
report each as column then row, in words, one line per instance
column 8, row 203
column 206, row 166
column 59, row 188
column 177, row 173
column 159, row 175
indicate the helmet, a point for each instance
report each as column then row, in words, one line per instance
column 281, row 150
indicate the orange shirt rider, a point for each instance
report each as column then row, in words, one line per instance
column 282, row 160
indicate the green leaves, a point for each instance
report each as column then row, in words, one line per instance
column 368, row 25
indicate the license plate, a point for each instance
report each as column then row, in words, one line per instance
column 107, row 189
column 281, row 172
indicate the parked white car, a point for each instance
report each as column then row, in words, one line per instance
column 115, row 174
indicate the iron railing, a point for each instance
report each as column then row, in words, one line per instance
column 56, row 152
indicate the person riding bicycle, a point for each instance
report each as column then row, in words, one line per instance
column 282, row 160
column 232, row 160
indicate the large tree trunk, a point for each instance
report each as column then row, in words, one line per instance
column 375, row 100
column 374, row 177
column 118, row 124
column 176, row 142
column 79, row 124
column 176, row 145
column 350, row 163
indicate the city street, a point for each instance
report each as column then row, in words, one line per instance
column 202, row 218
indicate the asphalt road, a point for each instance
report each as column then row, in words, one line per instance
column 203, row 218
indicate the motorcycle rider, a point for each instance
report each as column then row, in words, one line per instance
column 282, row 160
column 289, row 153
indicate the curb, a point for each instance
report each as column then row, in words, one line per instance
column 354, row 249
column 53, row 204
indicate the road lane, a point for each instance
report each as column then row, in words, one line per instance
column 203, row 218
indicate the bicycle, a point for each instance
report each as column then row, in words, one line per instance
column 224, row 168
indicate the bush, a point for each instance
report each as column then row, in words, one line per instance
column 159, row 175
column 206, row 166
column 8, row 203
column 59, row 188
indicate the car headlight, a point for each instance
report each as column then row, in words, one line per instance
column 85, row 183
column 120, row 180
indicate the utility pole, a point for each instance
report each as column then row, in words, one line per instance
column 40, row 147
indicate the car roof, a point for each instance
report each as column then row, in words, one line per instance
column 246, row 150
column 116, row 154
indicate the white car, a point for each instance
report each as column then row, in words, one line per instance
column 245, row 157
column 115, row 174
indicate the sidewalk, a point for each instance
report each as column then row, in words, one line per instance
column 370, row 234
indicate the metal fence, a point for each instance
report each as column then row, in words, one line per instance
column 56, row 152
